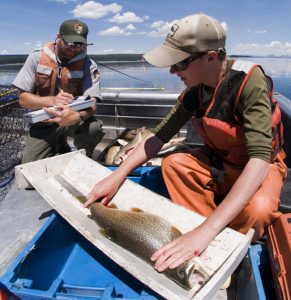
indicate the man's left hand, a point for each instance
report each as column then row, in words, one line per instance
column 63, row 115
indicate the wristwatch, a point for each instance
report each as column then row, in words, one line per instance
column 82, row 119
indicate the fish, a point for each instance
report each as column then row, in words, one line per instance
column 122, row 154
column 144, row 233
column 130, row 135
column 110, row 154
column 140, row 134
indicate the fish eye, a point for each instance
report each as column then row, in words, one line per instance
column 181, row 273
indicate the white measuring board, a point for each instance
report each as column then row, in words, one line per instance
column 221, row 257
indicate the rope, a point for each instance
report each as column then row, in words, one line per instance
column 150, row 82
column 8, row 92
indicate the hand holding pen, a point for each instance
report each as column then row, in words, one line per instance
column 63, row 98
column 62, row 113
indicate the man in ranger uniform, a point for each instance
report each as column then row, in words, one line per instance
column 51, row 77
column 235, row 179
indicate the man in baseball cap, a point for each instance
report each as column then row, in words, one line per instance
column 235, row 179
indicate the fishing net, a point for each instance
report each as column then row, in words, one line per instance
column 13, row 132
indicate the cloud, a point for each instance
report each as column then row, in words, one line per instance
column 127, row 17
column 157, row 24
column 38, row 44
column 161, row 28
column 107, row 51
column 130, row 27
column 261, row 31
column 275, row 48
column 117, row 31
column 63, row 1
column 4, row 52
column 117, row 51
column 113, row 31
column 224, row 25
column 95, row 10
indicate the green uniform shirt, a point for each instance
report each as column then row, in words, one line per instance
column 254, row 110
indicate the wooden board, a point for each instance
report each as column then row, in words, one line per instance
column 221, row 257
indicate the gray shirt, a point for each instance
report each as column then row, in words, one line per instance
column 25, row 79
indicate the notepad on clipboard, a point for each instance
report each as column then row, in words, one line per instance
column 79, row 103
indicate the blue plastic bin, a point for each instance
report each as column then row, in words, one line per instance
column 262, row 273
column 59, row 263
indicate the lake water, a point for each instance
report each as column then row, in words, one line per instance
column 278, row 68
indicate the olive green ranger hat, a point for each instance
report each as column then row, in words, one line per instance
column 74, row 31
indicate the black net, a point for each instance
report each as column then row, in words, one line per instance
column 13, row 132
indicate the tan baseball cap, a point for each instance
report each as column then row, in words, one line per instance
column 191, row 35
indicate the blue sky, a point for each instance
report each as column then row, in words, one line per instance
column 254, row 27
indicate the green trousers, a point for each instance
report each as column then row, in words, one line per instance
column 47, row 140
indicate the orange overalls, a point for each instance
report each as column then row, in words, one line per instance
column 189, row 176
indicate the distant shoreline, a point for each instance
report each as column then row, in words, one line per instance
column 20, row 58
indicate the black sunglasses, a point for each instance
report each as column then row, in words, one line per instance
column 183, row 65
column 73, row 44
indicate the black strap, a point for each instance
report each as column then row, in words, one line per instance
column 216, row 161
column 277, row 131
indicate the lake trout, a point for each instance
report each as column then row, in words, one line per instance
column 110, row 154
column 143, row 234
column 122, row 154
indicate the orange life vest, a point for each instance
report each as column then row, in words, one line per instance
column 220, row 127
column 51, row 76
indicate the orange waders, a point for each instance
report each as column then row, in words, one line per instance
column 190, row 183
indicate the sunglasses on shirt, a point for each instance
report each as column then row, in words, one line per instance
column 184, row 64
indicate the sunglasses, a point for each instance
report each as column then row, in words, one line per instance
column 184, row 64
column 73, row 44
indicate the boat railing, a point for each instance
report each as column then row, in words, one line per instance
column 121, row 110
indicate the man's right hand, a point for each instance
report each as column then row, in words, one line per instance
column 104, row 190
column 63, row 98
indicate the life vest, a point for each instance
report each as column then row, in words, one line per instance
column 51, row 76
column 220, row 127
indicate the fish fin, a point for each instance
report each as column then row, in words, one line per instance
column 175, row 231
column 122, row 142
column 135, row 209
column 105, row 233
column 112, row 205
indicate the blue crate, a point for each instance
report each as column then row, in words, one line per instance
column 262, row 273
column 59, row 263
column 149, row 177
